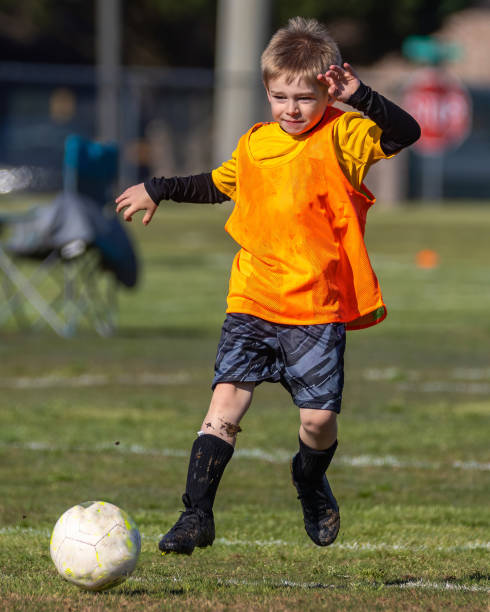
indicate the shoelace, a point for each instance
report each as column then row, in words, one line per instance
column 188, row 518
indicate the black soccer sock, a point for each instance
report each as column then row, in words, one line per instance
column 312, row 464
column 209, row 457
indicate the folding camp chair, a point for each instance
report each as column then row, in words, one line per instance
column 79, row 249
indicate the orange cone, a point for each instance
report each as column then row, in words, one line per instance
column 427, row 259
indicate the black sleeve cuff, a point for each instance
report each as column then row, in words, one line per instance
column 150, row 188
column 359, row 98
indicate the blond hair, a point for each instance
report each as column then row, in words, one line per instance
column 302, row 49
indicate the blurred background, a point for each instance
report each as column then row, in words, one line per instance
column 174, row 84
column 101, row 94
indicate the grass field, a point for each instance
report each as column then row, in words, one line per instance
column 113, row 419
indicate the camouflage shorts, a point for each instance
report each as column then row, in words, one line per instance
column 308, row 360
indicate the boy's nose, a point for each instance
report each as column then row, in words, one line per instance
column 292, row 107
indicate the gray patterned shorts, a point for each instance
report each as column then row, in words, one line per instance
column 308, row 360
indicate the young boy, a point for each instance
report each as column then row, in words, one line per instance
column 302, row 275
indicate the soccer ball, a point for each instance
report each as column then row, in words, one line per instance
column 95, row 545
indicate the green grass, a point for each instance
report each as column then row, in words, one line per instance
column 113, row 419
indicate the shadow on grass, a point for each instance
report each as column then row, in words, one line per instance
column 141, row 591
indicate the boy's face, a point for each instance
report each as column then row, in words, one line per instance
column 296, row 106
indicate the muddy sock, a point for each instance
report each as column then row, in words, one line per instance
column 209, row 457
column 312, row 464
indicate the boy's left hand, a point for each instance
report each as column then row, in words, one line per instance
column 341, row 81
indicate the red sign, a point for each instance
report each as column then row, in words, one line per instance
column 442, row 106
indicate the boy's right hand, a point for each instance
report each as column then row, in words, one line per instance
column 133, row 200
column 342, row 82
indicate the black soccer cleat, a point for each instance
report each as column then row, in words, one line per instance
column 194, row 528
column 320, row 509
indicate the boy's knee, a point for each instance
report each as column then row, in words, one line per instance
column 235, row 397
column 317, row 422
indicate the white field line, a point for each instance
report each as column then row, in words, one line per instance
column 347, row 546
column 468, row 381
column 471, row 373
column 415, row 584
column 465, row 380
column 272, row 456
column 93, row 380
column 362, row 546
column 442, row 386
column 471, row 381
column 440, row 586
column 293, row 584
column 393, row 373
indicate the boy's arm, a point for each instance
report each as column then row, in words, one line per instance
column 145, row 197
column 198, row 188
column 399, row 128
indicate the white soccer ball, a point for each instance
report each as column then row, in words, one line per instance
column 95, row 545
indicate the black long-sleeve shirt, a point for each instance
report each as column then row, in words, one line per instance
column 399, row 130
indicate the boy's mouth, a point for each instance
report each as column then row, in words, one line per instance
column 293, row 124
column 293, row 121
